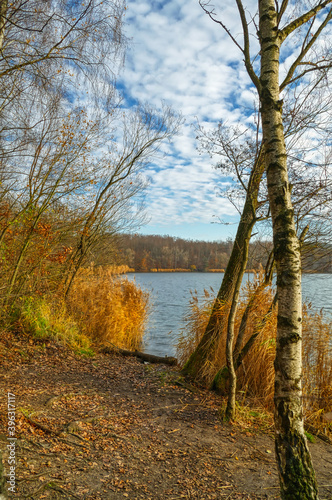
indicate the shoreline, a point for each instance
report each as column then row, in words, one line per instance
column 221, row 271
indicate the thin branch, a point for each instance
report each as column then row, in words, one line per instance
column 304, row 51
column 52, row 49
column 25, row 28
column 246, row 51
column 282, row 10
column 211, row 14
column 306, row 71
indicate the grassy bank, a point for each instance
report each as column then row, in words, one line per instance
column 102, row 307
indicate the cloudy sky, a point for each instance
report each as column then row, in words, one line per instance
column 177, row 54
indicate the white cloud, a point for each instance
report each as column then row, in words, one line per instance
column 180, row 56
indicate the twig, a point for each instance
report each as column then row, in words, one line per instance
column 247, row 442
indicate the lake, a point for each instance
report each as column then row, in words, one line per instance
column 170, row 296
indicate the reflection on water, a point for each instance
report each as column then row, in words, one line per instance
column 170, row 295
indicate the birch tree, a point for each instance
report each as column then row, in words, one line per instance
column 277, row 23
column 237, row 149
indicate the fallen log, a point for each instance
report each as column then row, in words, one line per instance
column 150, row 358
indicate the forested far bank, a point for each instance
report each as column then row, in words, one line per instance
column 145, row 253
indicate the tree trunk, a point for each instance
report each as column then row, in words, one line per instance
column 296, row 474
column 144, row 356
column 237, row 261
column 230, row 410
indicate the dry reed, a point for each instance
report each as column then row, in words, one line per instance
column 317, row 368
column 109, row 308
column 256, row 373
column 175, row 270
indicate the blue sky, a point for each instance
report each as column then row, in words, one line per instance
column 177, row 54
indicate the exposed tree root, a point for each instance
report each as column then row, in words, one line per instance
column 40, row 426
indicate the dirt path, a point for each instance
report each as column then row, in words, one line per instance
column 112, row 428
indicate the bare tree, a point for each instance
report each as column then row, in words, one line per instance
column 40, row 34
column 54, row 169
column 67, row 147
column 144, row 131
column 48, row 50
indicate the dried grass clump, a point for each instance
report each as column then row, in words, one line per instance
column 109, row 308
column 261, row 354
column 195, row 323
column 317, row 368
column 256, row 374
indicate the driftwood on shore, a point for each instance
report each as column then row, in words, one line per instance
column 150, row 358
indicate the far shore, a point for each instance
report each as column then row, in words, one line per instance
column 209, row 271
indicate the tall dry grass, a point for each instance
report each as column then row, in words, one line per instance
column 317, row 367
column 196, row 320
column 256, row 373
column 109, row 308
column 116, row 270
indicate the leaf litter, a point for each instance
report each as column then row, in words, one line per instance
column 110, row 427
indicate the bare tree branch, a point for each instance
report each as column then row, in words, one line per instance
column 282, row 10
column 246, row 50
column 287, row 30
column 303, row 52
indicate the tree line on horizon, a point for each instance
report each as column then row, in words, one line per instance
column 144, row 253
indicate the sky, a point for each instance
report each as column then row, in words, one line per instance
column 178, row 55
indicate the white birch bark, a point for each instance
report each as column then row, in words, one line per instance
column 296, row 473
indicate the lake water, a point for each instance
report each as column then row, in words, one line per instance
column 170, row 296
